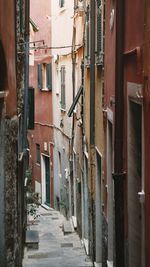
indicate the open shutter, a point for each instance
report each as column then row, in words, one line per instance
column 31, row 108
column 39, row 76
column 49, row 76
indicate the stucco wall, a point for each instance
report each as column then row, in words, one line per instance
column 62, row 36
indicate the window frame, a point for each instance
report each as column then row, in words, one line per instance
column 45, row 76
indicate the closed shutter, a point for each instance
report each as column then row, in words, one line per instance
column 61, row 3
column 39, row 76
column 31, row 108
column 100, row 37
column 99, row 27
column 63, row 96
column 87, row 34
column 49, row 76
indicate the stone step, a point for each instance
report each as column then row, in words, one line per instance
column 32, row 239
column 67, row 227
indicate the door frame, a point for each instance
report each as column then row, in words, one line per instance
column 135, row 95
column 98, row 207
column 43, row 178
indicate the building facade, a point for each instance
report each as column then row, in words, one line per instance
column 40, row 134
column 62, row 15
column 13, row 160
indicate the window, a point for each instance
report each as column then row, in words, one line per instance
column 63, row 97
column 38, row 156
column 61, row 3
column 45, row 76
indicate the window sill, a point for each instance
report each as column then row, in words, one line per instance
column 45, row 90
column 62, row 9
column 38, row 164
column 63, row 109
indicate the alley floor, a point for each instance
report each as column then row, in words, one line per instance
column 56, row 248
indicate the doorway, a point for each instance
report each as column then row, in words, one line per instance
column 110, row 193
column 134, row 183
column 85, row 201
column 45, row 180
column 98, row 232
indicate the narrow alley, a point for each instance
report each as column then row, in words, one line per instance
column 59, row 245
column 75, row 133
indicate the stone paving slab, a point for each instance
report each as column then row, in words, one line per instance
column 55, row 249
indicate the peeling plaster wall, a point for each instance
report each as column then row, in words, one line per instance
column 2, row 198
column 9, row 244
column 10, row 172
column 10, row 107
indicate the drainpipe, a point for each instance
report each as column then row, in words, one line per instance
column 26, row 81
column 119, row 174
column 73, row 57
column 92, row 73
column 25, row 112
column 92, row 123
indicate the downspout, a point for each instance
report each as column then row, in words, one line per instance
column 92, row 73
column 25, row 111
column 26, row 81
column 73, row 96
column 92, row 123
column 119, row 174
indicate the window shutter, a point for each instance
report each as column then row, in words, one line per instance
column 31, row 108
column 63, row 97
column 87, row 34
column 99, row 32
column 99, row 27
column 49, row 76
column 39, row 76
column 61, row 3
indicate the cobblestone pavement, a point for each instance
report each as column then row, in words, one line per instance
column 55, row 249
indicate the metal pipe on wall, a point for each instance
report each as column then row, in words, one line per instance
column 92, row 127
column 119, row 174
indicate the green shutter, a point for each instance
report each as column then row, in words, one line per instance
column 63, row 93
column 31, row 108
column 99, row 27
column 40, row 76
column 61, row 3
column 87, row 34
column 49, row 76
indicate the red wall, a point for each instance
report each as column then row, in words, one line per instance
column 43, row 131
column 7, row 36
